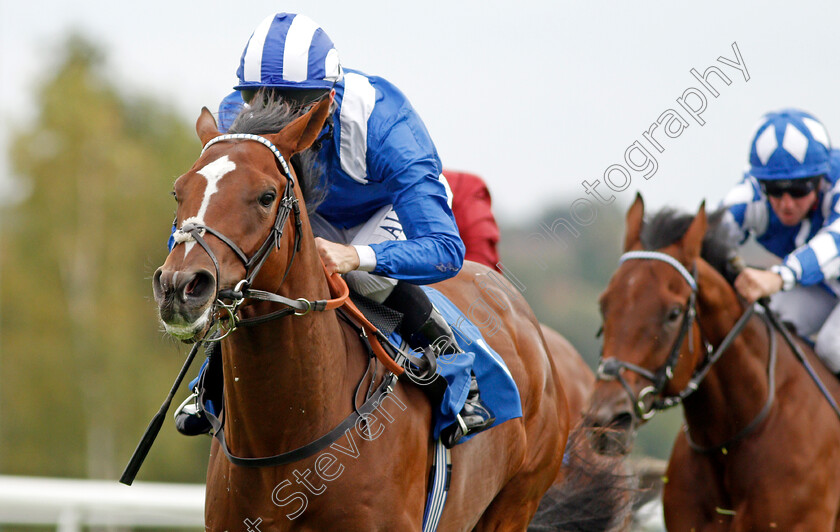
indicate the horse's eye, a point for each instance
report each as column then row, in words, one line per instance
column 175, row 195
column 675, row 314
column 267, row 199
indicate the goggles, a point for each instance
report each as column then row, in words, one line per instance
column 796, row 188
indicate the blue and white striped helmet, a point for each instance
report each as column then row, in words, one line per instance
column 789, row 144
column 288, row 51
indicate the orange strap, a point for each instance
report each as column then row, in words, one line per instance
column 339, row 286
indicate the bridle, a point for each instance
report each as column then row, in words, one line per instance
column 611, row 368
column 288, row 205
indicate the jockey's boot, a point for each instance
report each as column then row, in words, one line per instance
column 189, row 420
column 475, row 416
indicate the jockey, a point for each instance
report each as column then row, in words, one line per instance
column 790, row 200
column 385, row 222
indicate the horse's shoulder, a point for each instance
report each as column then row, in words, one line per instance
column 477, row 286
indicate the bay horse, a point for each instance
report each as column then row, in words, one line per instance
column 291, row 380
column 760, row 449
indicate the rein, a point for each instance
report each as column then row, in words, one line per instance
column 771, row 386
column 800, row 356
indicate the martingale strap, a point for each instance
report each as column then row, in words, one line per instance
column 386, row 387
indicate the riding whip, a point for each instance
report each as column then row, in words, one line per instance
column 154, row 426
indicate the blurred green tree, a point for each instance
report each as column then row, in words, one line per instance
column 83, row 364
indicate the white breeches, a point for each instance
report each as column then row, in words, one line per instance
column 813, row 310
column 381, row 227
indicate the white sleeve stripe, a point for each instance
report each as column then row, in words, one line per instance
column 449, row 194
column 802, row 235
column 296, row 48
column 825, row 249
column 356, row 106
column 793, row 263
column 787, row 275
column 831, row 269
column 253, row 56
column 757, row 217
column 834, row 226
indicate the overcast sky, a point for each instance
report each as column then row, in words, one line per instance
column 534, row 96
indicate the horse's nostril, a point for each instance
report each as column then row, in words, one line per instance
column 198, row 287
column 159, row 286
column 192, row 286
column 622, row 421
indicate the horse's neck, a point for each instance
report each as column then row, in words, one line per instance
column 736, row 387
column 283, row 379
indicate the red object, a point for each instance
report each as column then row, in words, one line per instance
column 471, row 206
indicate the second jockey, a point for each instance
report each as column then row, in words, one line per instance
column 385, row 222
column 790, row 200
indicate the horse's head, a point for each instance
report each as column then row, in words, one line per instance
column 231, row 220
column 651, row 343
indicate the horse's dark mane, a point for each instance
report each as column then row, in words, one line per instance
column 264, row 117
column 719, row 243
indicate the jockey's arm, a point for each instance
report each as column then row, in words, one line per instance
column 807, row 265
column 753, row 284
column 407, row 163
column 819, row 258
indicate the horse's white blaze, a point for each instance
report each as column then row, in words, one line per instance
column 213, row 173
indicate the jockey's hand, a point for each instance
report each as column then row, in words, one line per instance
column 339, row 258
column 753, row 284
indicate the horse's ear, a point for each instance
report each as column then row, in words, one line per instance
column 206, row 126
column 692, row 241
column 301, row 133
column 635, row 217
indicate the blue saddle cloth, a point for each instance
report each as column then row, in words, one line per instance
column 498, row 390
